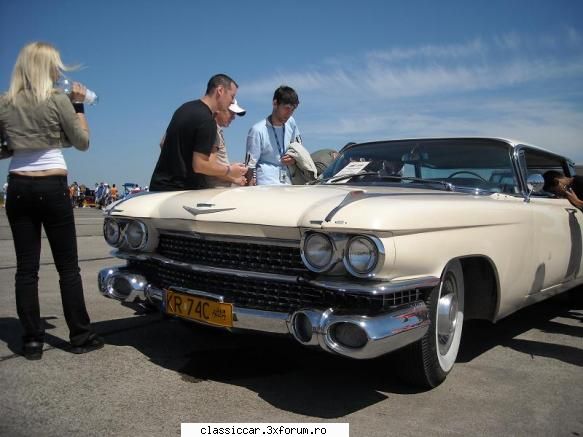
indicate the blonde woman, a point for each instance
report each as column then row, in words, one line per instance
column 38, row 121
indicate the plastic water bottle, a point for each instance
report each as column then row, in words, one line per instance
column 66, row 85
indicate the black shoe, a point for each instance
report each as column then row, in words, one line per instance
column 32, row 350
column 93, row 343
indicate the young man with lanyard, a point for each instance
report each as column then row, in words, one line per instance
column 269, row 139
column 184, row 160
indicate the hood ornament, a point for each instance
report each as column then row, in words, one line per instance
column 205, row 208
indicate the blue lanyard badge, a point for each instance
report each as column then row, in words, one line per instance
column 280, row 147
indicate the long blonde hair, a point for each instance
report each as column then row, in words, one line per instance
column 37, row 68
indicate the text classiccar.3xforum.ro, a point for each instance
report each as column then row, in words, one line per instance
column 267, row 430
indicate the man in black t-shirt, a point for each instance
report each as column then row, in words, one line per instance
column 188, row 143
column 571, row 188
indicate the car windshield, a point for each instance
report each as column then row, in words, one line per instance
column 474, row 164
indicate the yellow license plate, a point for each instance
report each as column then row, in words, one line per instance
column 199, row 309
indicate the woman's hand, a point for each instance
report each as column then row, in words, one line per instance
column 78, row 92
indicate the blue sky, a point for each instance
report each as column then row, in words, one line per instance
column 364, row 70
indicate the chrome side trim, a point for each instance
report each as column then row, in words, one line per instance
column 375, row 288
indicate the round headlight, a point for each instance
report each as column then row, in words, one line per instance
column 111, row 232
column 317, row 252
column 136, row 234
column 361, row 256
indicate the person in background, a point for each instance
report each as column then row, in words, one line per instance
column 82, row 193
column 39, row 121
column 570, row 188
column 99, row 195
column 219, row 153
column 184, row 161
column 74, row 190
column 113, row 193
column 269, row 139
column 4, row 193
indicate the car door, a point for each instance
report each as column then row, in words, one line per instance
column 558, row 226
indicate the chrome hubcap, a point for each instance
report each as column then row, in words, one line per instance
column 447, row 310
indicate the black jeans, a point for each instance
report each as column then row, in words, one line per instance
column 32, row 202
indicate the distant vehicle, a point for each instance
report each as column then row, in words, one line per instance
column 88, row 198
column 130, row 188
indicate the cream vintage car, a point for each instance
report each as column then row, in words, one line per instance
column 393, row 248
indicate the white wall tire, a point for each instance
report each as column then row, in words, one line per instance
column 434, row 356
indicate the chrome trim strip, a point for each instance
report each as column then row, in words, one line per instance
column 231, row 239
column 207, row 210
column 205, row 269
column 351, row 197
column 257, row 320
column 374, row 288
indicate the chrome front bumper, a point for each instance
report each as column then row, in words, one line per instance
column 354, row 336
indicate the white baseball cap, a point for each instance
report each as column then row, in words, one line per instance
column 237, row 109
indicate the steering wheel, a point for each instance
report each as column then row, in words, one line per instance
column 455, row 173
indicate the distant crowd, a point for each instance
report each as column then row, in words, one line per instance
column 101, row 195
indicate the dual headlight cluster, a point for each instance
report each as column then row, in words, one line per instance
column 362, row 255
column 132, row 234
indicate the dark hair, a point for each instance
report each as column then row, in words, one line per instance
column 286, row 95
column 219, row 80
column 551, row 178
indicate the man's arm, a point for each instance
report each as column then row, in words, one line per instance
column 572, row 197
column 203, row 164
column 241, row 180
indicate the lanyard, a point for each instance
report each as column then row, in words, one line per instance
column 280, row 148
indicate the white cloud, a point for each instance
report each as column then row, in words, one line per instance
column 448, row 90
column 471, row 48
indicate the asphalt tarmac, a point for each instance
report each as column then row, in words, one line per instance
column 522, row 376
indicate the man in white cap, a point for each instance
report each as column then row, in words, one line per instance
column 219, row 153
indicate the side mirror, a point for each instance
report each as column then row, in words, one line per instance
column 535, row 183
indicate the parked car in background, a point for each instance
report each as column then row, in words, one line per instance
column 392, row 249
column 129, row 188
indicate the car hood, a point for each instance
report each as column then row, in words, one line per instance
column 321, row 206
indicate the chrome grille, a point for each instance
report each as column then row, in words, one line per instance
column 269, row 295
column 232, row 254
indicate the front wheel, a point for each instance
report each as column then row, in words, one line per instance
column 433, row 357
